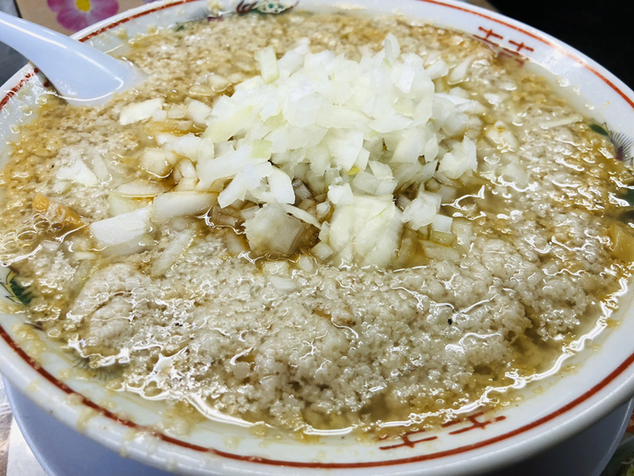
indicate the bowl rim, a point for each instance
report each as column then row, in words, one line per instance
column 617, row 378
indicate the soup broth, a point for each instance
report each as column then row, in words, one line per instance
column 401, row 281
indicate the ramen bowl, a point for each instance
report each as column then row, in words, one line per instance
column 589, row 382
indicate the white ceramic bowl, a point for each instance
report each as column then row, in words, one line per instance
column 550, row 411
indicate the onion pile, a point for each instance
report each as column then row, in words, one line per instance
column 356, row 155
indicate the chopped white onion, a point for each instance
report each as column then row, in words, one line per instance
column 283, row 284
column 459, row 72
column 140, row 189
column 337, row 136
column 293, row 59
column 340, row 195
column 118, row 205
column 302, row 215
column 100, row 168
column 185, row 146
column 78, row 172
column 122, row 228
column 344, row 146
column 174, row 204
column 140, row 111
column 422, row 210
column 439, row 252
column 281, row 186
column 323, row 209
column 441, row 223
column 461, row 159
column 367, row 231
column 174, row 250
column 268, row 64
column 306, row 264
column 155, row 162
column 186, row 169
column 218, row 82
column 276, row 268
column 272, row 230
column 381, row 171
column 198, row 111
column 322, row 251
column 175, row 111
column 564, row 121
column 410, row 147
column 85, row 255
column 186, row 184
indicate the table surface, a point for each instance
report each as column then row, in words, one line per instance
column 16, row 458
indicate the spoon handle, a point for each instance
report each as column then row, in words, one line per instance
column 79, row 72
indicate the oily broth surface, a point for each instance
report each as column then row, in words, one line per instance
column 350, row 346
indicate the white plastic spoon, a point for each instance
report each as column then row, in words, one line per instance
column 81, row 74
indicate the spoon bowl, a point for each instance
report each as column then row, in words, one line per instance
column 82, row 75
